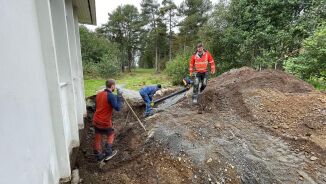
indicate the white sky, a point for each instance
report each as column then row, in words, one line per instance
column 103, row 7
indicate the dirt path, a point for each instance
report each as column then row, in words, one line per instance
column 251, row 127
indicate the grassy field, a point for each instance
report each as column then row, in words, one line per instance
column 134, row 80
column 319, row 84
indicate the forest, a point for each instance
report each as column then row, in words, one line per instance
column 263, row 34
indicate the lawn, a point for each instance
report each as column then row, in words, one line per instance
column 135, row 80
column 319, row 84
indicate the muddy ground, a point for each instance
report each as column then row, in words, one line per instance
column 249, row 127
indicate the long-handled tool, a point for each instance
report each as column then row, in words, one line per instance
column 141, row 124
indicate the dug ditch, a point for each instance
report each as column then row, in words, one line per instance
column 233, row 136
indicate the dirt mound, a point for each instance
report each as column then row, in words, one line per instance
column 249, row 127
column 273, row 99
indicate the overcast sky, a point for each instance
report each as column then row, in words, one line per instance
column 103, row 7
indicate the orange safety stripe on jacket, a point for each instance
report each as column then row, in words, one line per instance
column 200, row 63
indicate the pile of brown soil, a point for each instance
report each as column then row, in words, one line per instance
column 249, row 127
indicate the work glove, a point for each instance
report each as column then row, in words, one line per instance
column 119, row 92
column 152, row 104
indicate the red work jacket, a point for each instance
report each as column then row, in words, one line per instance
column 200, row 63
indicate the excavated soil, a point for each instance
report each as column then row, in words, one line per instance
column 249, row 127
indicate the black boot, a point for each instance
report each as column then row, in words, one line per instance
column 108, row 149
column 99, row 156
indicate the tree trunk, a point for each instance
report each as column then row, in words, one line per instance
column 156, row 58
column 129, row 60
column 170, row 37
column 122, row 62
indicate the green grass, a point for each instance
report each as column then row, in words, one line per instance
column 319, row 84
column 92, row 85
column 135, row 80
column 143, row 77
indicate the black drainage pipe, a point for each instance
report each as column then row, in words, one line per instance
column 170, row 95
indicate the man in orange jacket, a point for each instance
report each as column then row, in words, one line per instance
column 198, row 67
column 106, row 101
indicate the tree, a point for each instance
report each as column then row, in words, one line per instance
column 124, row 27
column 169, row 13
column 150, row 13
column 260, row 34
column 311, row 60
column 195, row 13
column 99, row 55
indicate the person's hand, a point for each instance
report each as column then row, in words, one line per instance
column 190, row 74
column 119, row 92
column 212, row 71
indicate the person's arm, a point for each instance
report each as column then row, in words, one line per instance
column 152, row 93
column 115, row 101
column 191, row 64
column 211, row 62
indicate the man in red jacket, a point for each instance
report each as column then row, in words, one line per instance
column 198, row 67
column 106, row 101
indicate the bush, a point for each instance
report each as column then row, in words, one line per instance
column 310, row 63
column 90, row 70
column 100, row 56
column 178, row 68
column 109, row 65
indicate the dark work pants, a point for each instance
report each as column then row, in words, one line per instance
column 201, row 78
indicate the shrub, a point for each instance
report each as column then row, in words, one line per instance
column 109, row 65
column 310, row 63
column 177, row 69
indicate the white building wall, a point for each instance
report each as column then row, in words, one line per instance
column 74, row 60
column 28, row 152
column 68, row 97
column 41, row 97
column 83, row 110
column 82, row 106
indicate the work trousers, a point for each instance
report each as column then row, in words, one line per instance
column 99, row 132
column 147, row 101
column 200, row 78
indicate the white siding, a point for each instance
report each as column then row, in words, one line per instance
column 41, row 94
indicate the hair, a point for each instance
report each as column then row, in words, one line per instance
column 159, row 86
column 109, row 83
column 200, row 44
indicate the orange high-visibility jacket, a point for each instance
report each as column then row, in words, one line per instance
column 200, row 63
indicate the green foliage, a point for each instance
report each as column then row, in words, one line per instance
column 260, row 34
column 93, row 46
column 154, row 38
column 195, row 13
column 124, row 28
column 109, row 65
column 310, row 63
column 99, row 55
column 319, row 84
column 178, row 68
